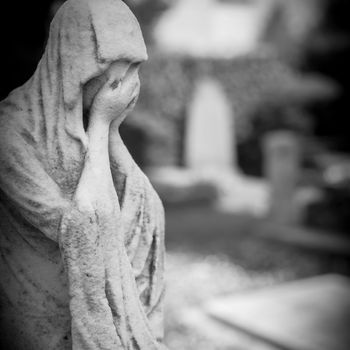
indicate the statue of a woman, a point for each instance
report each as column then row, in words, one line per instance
column 81, row 228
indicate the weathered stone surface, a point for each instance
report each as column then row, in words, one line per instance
column 81, row 229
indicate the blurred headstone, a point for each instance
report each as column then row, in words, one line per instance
column 312, row 314
column 282, row 171
column 209, row 140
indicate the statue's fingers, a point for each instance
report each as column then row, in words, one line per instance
column 130, row 83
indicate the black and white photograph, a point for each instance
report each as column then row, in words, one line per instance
column 175, row 175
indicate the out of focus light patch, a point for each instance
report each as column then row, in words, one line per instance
column 207, row 28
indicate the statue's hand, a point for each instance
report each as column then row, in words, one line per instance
column 115, row 99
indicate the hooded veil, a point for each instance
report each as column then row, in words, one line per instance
column 42, row 152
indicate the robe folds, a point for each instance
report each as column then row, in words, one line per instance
column 74, row 278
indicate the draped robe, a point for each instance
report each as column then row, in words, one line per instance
column 73, row 276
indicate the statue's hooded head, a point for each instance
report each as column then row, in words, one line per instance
column 86, row 37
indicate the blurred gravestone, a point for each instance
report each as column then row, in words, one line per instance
column 282, row 170
column 209, row 131
column 309, row 314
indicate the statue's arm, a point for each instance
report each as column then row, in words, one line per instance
column 105, row 306
column 83, row 243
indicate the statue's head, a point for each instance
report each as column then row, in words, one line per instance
column 92, row 41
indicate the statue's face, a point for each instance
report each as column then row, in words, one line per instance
column 115, row 72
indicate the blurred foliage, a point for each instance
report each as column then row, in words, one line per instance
column 167, row 84
column 167, row 87
column 269, row 118
column 155, row 132
column 328, row 52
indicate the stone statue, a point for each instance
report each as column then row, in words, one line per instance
column 81, row 228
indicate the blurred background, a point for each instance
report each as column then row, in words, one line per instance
column 241, row 126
